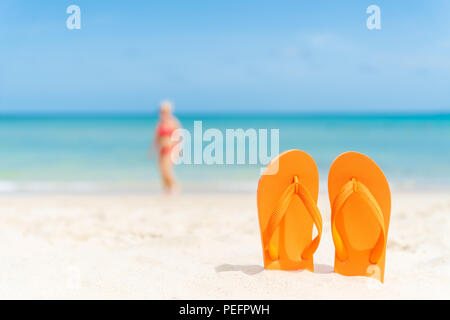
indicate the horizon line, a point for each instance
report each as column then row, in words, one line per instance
column 224, row 113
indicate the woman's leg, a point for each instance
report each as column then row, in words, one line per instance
column 166, row 166
column 162, row 172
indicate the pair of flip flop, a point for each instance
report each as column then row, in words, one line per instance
column 360, row 201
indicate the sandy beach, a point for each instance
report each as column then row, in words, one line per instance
column 200, row 246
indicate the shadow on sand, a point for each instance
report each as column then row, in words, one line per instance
column 323, row 268
column 247, row 269
column 255, row 269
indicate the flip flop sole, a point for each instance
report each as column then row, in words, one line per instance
column 358, row 226
column 295, row 231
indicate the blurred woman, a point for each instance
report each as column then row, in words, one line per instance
column 165, row 144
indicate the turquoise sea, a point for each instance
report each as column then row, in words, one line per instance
column 89, row 153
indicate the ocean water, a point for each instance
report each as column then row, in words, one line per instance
column 88, row 153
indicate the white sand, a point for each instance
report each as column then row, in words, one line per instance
column 199, row 246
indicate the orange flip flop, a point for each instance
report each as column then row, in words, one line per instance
column 287, row 208
column 360, row 211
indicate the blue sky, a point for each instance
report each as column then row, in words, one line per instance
column 225, row 56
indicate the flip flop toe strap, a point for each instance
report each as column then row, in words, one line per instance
column 351, row 187
column 296, row 188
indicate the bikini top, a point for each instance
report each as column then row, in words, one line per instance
column 165, row 130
